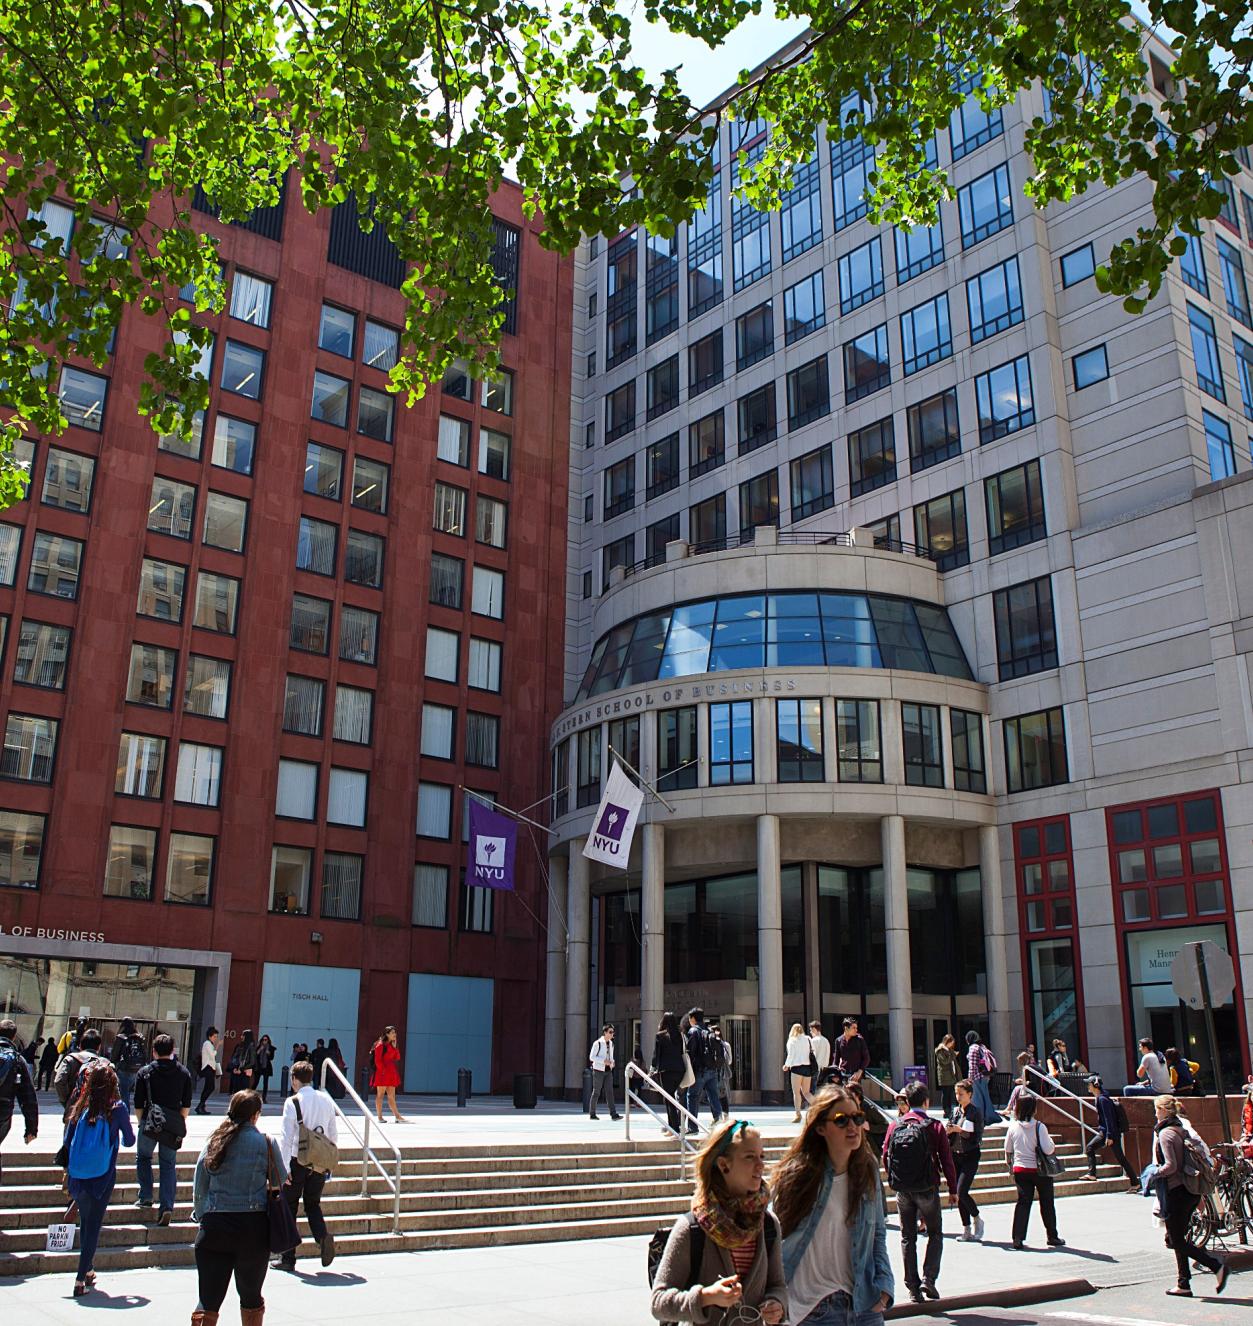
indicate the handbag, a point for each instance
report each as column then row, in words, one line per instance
column 61, row 1233
column 284, row 1236
column 689, row 1074
column 1049, row 1164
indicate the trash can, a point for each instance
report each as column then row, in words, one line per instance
column 463, row 1087
column 587, row 1091
column 524, row 1091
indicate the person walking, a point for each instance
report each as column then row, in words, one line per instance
column 16, row 1087
column 798, row 1068
column 668, row 1065
column 831, row 1211
column 72, row 1068
column 247, row 1062
column 210, row 1069
column 730, row 1239
column 1026, row 1141
column 307, row 1114
column 1109, row 1132
column 234, row 1170
column 1171, row 1152
column 700, row 1050
column 1152, row 1076
column 162, row 1103
column 916, row 1155
column 601, row 1058
column 980, row 1065
column 334, row 1086
column 946, row 1062
column 822, row 1054
column 127, row 1054
column 852, row 1054
column 265, row 1067
column 47, row 1065
column 723, row 1049
column 71, row 1036
column 98, row 1124
column 317, row 1057
column 385, row 1060
column 965, row 1139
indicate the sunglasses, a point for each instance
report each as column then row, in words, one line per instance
column 842, row 1120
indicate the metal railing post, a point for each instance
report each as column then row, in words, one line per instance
column 1055, row 1087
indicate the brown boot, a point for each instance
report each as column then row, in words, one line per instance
column 202, row 1318
column 252, row 1316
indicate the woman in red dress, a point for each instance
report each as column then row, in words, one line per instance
column 385, row 1058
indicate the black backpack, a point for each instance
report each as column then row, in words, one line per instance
column 909, row 1164
column 657, row 1248
column 131, row 1053
column 698, row 1049
column 1120, row 1117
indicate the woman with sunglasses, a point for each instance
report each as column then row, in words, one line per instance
column 730, row 1237
column 829, row 1202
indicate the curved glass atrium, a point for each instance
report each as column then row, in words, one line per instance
column 801, row 629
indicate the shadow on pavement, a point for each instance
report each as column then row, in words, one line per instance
column 333, row 1279
column 97, row 1298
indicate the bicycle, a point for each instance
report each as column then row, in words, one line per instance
column 1227, row 1213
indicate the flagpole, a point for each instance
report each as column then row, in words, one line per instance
column 644, row 783
column 483, row 799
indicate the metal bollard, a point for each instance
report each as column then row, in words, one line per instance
column 284, row 1080
column 587, row 1091
column 463, row 1087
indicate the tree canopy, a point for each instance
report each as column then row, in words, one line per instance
column 122, row 108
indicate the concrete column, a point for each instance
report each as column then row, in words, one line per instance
column 648, row 747
column 769, row 960
column 896, row 924
column 653, row 933
column 765, row 730
column 702, row 745
column 555, row 990
column 578, row 923
column 995, row 941
column 813, row 959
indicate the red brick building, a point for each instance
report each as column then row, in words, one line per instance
column 238, row 675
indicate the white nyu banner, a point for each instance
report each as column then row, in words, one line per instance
column 610, row 839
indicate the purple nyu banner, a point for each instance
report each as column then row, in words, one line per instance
column 490, row 851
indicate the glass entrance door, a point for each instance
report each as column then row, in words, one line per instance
column 740, row 1032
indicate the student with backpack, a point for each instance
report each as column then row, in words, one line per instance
column 128, row 1054
column 980, row 1065
column 163, row 1092
column 1186, row 1172
column 1111, row 1127
column 98, row 1123
column 309, row 1147
column 916, row 1153
column 726, row 1255
column 706, row 1058
column 72, row 1068
column 15, row 1086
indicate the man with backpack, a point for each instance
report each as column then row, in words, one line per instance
column 1111, row 1128
column 707, row 1058
column 71, row 1067
column 601, row 1057
column 916, row 1153
column 128, row 1054
column 162, row 1101
column 16, row 1087
column 309, row 1147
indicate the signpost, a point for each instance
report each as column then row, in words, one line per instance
column 1203, row 976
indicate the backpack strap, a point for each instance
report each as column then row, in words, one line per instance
column 300, row 1118
column 696, row 1245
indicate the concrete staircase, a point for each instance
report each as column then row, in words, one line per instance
column 453, row 1197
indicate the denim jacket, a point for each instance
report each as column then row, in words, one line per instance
column 872, row 1272
column 239, row 1183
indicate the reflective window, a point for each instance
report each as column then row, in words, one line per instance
column 813, row 483
column 140, row 765
column 369, row 484
column 375, row 413
column 82, row 396
column 42, row 655
column 1218, row 445
column 1035, row 751
column 380, row 346
column 1026, row 638
column 1089, row 367
column 1235, row 290
column 731, row 743
column 207, row 687
column 918, row 250
column 969, row 772
column 243, row 367
column 1005, row 399
column 808, row 393
column 324, row 470
column 234, row 442
column 336, row 330
column 447, row 580
column 330, row 399
column 924, row 747
column 798, row 737
column 872, row 457
column 857, row 740
column 67, row 480
column 170, row 507
column 1015, row 503
column 161, row 590
column 1078, row 265
column 250, row 299
column 800, row 210
column 662, row 385
column 757, row 419
column 1209, row 368
column 861, row 275
column 994, row 300
column 866, row 365
column 934, row 430
column 926, row 336
column 940, row 529
column 677, row 759
column 754, row 336
column 804, row 308
column 985, row 205
column 1192, row 264
column 662, row 466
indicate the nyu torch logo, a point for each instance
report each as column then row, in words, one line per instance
column 607, row 835
column 489, row 858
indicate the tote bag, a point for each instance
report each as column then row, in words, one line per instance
column 689, row 1076
column 284, row 1236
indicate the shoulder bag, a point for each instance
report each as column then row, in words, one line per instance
column 284, row 1236
column 1048, row 1164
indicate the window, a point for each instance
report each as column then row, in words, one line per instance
column 704, row 253
column 750, row 228
column 487, row 595
column 731, row 743
column 758, row 425
column 161, row 590
column 363, row 559
column 140, row 765
column 310, row 624
column 370, row 479
column 217, row 600
column 940, row 528
column 443, row 651
column 704, row 363
column 1078, row 265
column 813, row 483
column 705, row 444
column 453, row 441
column 457, row 382
column 587, row 764
column 243, row 367
column 925, row 334
column 620, row 411
column 1244, row 371
column 447, row 580
column 804, row 308
column 872, row 457
column 358, row 634
column 1015, row 501
column 375, row 413
column 808, row 393
column 619, row 553
column 199, row 778
column 1004, row 399
column 330, row 399
column 886, row 533
column 754, row 336
column 622, row 266
column 290, row 869
column 129, row 867
column 800, row 210
column 663, row 387
column 434, row 810
column 759, row 502
column 225, row 521
column 924, row 750
column 707, row 522
column 477, row 909
column 82, row 396
column 497, row 392
column 661, row 292
column 189, row 869
column 234, row 444
column 798, row 728
column 302, row 705
column 1222, row 455
column 489, row 521
column 55, row 563
column 250, row 299
column 1035, row 751
column 1209, row 369
column 971, row 126
column 1089, row 367
column 1192, row 264
column 151, row 677
column 994, row 300
column 42, row 655
column 380, row 346
column 430, row 896
column 297, row 795
column 438, row 726
column 207, row 686
column 857, row 740
column 934, row 430
column 482, row 740
column 170, row 508
column 657, row 536
column 30, row 746
column 861, row 275
column 341, row 886
column 676, row 749
column 621, row 330
column 1231, row 266
column 324, row 470
column 1026, row 637
column 661, row 462
column 315, row 546
column 918, row 250
column 852, row 160
column 450, row 509
column 866, row 365
column 67, row 480
column 620, row 487
column 21, row 849
column 336, row 331
column 985, row 205
column 966, row 731
column 57, row 222
column 346, row 795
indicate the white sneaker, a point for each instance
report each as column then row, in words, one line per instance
column 979, row 1228
column 965, row 1236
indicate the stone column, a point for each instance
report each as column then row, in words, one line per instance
column 769, row 960
column 653, row 933
column 995, row 941
column 578, row 923
column 896, row 924
column 555, row 991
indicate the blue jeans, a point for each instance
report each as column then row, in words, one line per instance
column 1139, row 1089
column 983, row 1099
column 126, row 1086
column 837, row 1310
column 166, row 1158
column 90, row 1218
column 706, row 1082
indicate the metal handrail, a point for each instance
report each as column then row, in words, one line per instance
column 368, row 1155
column 1056, row 1088
column 634, row 1070
column 888, row 1090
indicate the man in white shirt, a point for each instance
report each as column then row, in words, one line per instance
column 210, row 1069
column 602, row 1061
column 822, row 1052
column 1153, row 1075
column 316, row 1111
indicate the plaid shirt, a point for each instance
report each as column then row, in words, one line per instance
column 979, row 1062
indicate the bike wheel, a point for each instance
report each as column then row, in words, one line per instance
column 1204, row 1225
